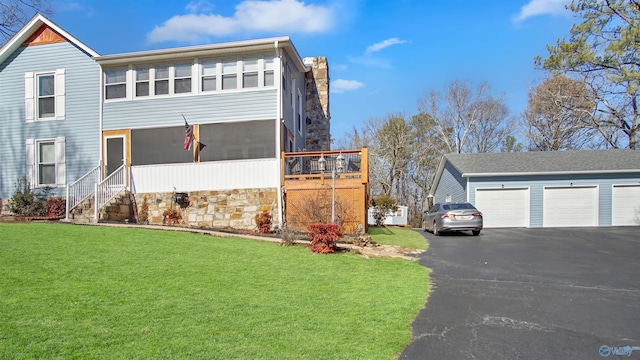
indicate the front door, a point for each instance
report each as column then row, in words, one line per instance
column 114, row 150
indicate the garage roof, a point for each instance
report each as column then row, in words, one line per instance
column 545, row 162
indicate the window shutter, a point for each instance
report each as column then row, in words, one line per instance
column 30, row 175
column 61, row 175
column 60, row 92
column 29, row 100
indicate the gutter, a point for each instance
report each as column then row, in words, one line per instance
column 582, row 172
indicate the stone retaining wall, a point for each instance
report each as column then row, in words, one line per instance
column 213, row 209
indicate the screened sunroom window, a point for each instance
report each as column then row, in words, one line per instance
column 238, row 141
column 159, row 146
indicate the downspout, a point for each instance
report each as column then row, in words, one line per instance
column 277, row 68
column 100, row 125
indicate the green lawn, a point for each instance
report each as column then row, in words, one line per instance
column 397, row 236
column 84, row 292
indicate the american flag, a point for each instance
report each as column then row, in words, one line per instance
column 188, row 135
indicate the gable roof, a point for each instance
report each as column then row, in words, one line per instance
column 542, row 163
column 31, row 28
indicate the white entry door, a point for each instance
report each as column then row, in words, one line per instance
column 625, row 205
column 570, row 206
column 503, row 207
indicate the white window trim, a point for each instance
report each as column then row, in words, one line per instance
column 196, row 78
column 32, row 153
column 31, row 95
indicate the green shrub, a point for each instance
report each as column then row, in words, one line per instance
column 24, row 201
column 383, row 204
column 323, row 237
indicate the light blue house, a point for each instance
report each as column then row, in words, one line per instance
column 545, row 189
column 99, row 127
column 49, row 108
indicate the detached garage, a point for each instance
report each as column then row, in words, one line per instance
column 545, row 189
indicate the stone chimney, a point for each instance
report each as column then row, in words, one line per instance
column 318, row 137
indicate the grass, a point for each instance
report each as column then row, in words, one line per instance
column 82, row 292
column 397, row 236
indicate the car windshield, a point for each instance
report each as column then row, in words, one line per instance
column 457, row 207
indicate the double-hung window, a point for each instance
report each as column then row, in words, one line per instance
column 182, row 78
column 229, row 75
column 44, row 95
column 209, row 75
column 46, row 162
column 250, row 73
column 268, row 72
column 115, row 84
column 162, row 80
column 142, row 81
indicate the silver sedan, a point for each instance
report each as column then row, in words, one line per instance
column 450, row 216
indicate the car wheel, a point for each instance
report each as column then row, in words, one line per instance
column 475, row 232
column 435, row 229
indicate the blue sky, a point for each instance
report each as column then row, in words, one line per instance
column 383, row 55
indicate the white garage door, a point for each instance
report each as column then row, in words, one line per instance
column 570, row 206
column 626, row 205
column 504, row 207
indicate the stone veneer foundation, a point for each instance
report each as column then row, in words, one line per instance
column 214, row 209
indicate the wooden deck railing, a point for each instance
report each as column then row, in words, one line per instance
column 307, row 165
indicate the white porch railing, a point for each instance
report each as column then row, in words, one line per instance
column 81, row 189
column 108, row 188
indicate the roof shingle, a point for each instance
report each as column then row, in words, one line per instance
column 613, row 160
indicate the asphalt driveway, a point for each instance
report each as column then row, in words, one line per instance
column 531, row 294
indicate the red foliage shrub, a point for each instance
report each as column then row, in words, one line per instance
column 324, row 237
column 55, row 207
column 263, row 221
column 171, row 217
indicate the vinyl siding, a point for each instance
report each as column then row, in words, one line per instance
column 80, row 127
column 538, row 183
column 288, row 114
column 238, row 105
column 451, row 184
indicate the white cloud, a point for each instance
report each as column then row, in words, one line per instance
column 383, row 44
column 274, row 16
column 542, row 7
column 339, row 67
column 341, row 85
column 199, row 6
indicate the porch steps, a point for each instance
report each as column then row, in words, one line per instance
column 119, row 209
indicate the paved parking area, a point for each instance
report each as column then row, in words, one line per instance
column 531, row 294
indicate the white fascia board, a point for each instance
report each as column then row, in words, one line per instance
column 584, row 172
column 29, row 28
column 199, row 51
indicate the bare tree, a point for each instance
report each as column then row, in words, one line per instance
column 15, row 13
column 559, row 111
column 468, row 120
